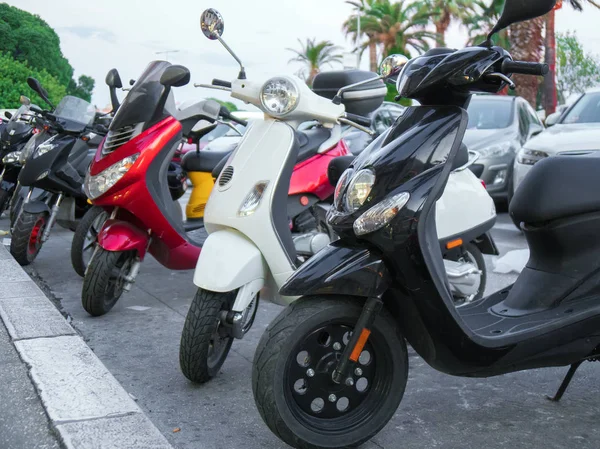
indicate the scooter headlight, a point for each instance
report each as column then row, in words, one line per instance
column 99, row 184
column 381, row 214
column 45, row 147
column 279, row 96
column 11, row 158
column 340, row 188
column 359, row 189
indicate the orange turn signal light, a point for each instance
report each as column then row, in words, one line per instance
column 454, row 244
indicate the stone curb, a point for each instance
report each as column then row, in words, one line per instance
column 86, row 405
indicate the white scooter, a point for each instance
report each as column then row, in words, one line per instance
column 250, row 249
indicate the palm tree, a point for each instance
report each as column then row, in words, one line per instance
column 481, row 21
column 395, row 26
column 315, row 55
column 550, row 99
column 444, row 11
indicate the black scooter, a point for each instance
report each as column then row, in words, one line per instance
column 57, row 166
column 14, row 135
column 330, row 371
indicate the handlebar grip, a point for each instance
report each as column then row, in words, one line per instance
column 216, row 82
column 524, row 68
column 364, row 121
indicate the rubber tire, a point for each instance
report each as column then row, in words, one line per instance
column 79, row 239
column 197, row 331
column 274, row 348
column 15, row 207
column 97, row 280
column 5, row 196
column 478, row 255
column 19, row 243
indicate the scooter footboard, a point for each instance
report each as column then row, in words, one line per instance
column 230, row 261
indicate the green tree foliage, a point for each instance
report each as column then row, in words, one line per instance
column 576, row 70
column 315, row 55
column 28, row 39
column 13, row 83
column 83, row 88
column 228, row 104
column 444, row 11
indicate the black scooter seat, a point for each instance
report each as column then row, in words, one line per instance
column 310, row 141
column 203, row 161
column 558, row 187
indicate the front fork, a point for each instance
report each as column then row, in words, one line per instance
column 357, row 342
column 2, row 174
column 53, row 215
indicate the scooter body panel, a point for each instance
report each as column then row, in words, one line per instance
column 266, row 153
column 464, row 205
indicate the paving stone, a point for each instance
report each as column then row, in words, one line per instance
column 33, row 317
column 20, row 289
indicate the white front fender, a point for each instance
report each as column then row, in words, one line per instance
column 229, row 261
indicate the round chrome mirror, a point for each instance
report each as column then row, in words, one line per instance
column 24, row 100
column 392, row 65
column 212, row 24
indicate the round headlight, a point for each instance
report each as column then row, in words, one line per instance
column 340, row 188
column 279, row 96
column 359, row 189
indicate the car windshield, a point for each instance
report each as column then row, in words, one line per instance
column 489, row 114
column 75, row 109
column 586, row 110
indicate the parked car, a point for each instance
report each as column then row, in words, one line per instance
column 383, row 118
column 575, row 132
column 499, row 125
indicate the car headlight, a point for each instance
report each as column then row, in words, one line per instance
column 45, row 147
column 11, row 158
column 359, row 189
column 498, row 150
column 530, row 157
column 99, row 184
column 381, row 214
column 279, row 96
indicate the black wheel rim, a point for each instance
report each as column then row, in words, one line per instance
column 91, row 238
column 116, row 280
column 323, row 405
column 219, row 342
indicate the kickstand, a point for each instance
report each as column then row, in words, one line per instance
column 565, row 383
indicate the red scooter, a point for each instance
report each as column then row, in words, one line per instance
column 128, row 177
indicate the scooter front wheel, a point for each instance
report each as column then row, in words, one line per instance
column 26, row 239
column 104, row 281
column 292, row 375
column 205, row 342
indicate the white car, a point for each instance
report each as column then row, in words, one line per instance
column 574, row 132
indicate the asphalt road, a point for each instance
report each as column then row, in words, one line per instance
column 139, row 341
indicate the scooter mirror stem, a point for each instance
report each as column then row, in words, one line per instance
column 338, row 97
column 242, row 74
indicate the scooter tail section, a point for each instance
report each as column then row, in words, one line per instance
column 230, row 261
column 117, row 235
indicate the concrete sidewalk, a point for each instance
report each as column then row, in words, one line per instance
column 80, row 403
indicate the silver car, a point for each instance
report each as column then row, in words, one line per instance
column 575, row 132
column 499, row 126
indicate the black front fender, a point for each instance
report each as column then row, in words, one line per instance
column 36, row 207
column 340, row 270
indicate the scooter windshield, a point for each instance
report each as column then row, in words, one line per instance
column 144, row 97
column 75, row 110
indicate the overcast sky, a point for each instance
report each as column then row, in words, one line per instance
column 99, row 35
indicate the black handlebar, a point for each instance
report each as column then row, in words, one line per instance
column 359, row 119
column 524, row 68
column 224, row 112
column 221, row 83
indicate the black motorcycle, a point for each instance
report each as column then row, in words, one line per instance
column 331, row 370
column 57, row 166
column 14, row 135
